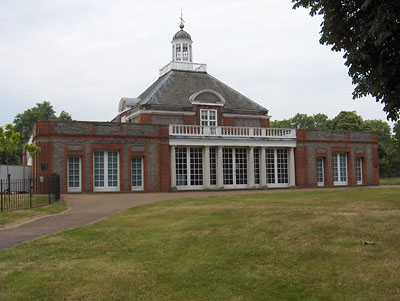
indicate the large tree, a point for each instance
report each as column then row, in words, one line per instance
column 25, row 121
column 9, row 142
column 368, row 32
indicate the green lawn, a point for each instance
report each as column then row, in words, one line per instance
column 12, row 218
column 279, row 246
column 389, row 181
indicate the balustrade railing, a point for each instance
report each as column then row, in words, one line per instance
column 185, row 66
column 230, row 131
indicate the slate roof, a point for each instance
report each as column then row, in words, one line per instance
column 172, row 91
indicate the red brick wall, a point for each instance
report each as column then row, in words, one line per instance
column 188, row 119
column 306, row 157
column 265, row 122
column 144, row 118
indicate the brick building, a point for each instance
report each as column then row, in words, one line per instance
column 190, row 131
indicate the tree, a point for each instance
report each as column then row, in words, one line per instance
column 281, row 124
column 25, row 121
column 32, row 149
column 347, row 121
column 9, row 142
column 368, row 32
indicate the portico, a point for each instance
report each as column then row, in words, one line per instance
column 231, row 157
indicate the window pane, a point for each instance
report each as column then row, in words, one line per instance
column 181, row 166
column 196, row 166
column 241, row 165
column 227, row 165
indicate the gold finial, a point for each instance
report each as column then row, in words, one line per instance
column 182, row 24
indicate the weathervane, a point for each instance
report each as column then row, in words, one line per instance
column 182, row 24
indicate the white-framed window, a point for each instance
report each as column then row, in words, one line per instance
column 227, row 166
column 276, row 165
column 189, row 166
column 234, row 165
column 137, row 173
column 282, row 166
column 106, row 171
column 74, row 174
column 359, row 171
column 213, row 166
column 178, row 52
column 241, row 166
column 181, row 166
column 270, row 165
column 208, row 117
column 196, row 166
column 257, row 166
column 320, row 172
column 339, row 169
column 185, row 55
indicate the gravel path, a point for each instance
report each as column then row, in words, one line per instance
column 87, row 208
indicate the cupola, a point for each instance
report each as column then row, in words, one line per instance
column 182, row 46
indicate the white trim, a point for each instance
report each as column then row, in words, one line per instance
column 232, row 142
column 207, row 104
column 159, row 112
column 246, row 116
column 192, row 98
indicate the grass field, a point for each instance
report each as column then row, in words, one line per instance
column 8, row 219
column 279, row 246
column 389, row 181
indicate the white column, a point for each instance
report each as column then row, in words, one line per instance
column 250, row 169
column 292, row 171
column 220, row 180
column 206, row 168
column 263, row 171
column 173, row 168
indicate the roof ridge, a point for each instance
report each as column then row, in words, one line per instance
column 156, row 88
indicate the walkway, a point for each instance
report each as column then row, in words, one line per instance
column 87, row 208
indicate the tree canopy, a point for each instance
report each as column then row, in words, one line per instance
column 9, row 142
column 25, row 121
column 368, row 32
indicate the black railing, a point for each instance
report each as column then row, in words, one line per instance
column 19, row 194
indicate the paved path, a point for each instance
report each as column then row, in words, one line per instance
column 87, row 208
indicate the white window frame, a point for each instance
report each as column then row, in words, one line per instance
column 359, row 171
column 272, row 167
column 141, row 187
column 106, row 158
column 234, row 163
column 188, row 176
column 208, row 121
column 74, row 189
column 341, row 160
column 320, row 171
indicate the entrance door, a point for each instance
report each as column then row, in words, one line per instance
column 106, row 171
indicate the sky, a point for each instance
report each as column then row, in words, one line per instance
column 83, row 56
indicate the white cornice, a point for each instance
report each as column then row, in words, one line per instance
column 160, row 112
column 246, row 116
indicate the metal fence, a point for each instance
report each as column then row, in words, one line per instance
column 19, row 194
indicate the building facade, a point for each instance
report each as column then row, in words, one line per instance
column 190, row 131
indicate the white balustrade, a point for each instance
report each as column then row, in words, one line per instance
column 229, row 131
column 185, row 66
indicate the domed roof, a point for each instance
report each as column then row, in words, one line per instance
column 181, row 34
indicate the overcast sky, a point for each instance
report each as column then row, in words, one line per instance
column 84, row 55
